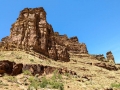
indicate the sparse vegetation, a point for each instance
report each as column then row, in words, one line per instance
column 101, row 78
column 67, row 74
column 34, row 82
column 18, row 57
column 115, row 85
column 11, row 79
column 54, row 82
column 32, row 60
column 3, row 84
column 12, row 53
column 27, row 72
column 44, row 82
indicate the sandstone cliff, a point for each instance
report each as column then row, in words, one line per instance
column 31, row 32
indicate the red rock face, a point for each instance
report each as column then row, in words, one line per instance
column 6, row 66
column 10, row 68
column 72, row 44
column 31, row 32
column 40, row 69
column 17, row 69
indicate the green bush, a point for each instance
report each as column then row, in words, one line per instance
column 116, row 85
column 56, row 81
column 56, row 85
column 34, row 82
column 27, row 72
column 56, row 76
column 44, row 82
column 18, row 57
column 32, row 60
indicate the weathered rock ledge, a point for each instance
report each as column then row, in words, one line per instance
column 11, row 68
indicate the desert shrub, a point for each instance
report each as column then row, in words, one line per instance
column 12, row 52
column 67, row 74
column 56, row 76
column 116, row 85
column 27, row 72
column 32, row 60
column 11, row 79
column 32, row 79
column 34, row 82
column 44, row 82
column 56, row 81
column 56, row 84
column 18, row 57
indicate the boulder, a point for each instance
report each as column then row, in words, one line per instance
column 6, row 66
column 17, row 69
column 10, row 68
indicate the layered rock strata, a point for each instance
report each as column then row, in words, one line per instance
column 31, row 32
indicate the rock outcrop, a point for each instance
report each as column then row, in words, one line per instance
column 98, row 57
column 11, row 68
column 40, row 69
column 110, row 57
column 31, row 32
column 107, row 66
column 17, row 69
column 72, row 43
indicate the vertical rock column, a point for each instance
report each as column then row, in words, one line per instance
column 44, row 35
column 110, row 57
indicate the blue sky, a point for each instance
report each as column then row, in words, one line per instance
column 94, row 22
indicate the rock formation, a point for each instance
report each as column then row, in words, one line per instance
column 110, row 57
column 106, row 66
column 99, row 57
column 72, row 43
column 40, row 69
column 32, row 33
column 11, row 68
